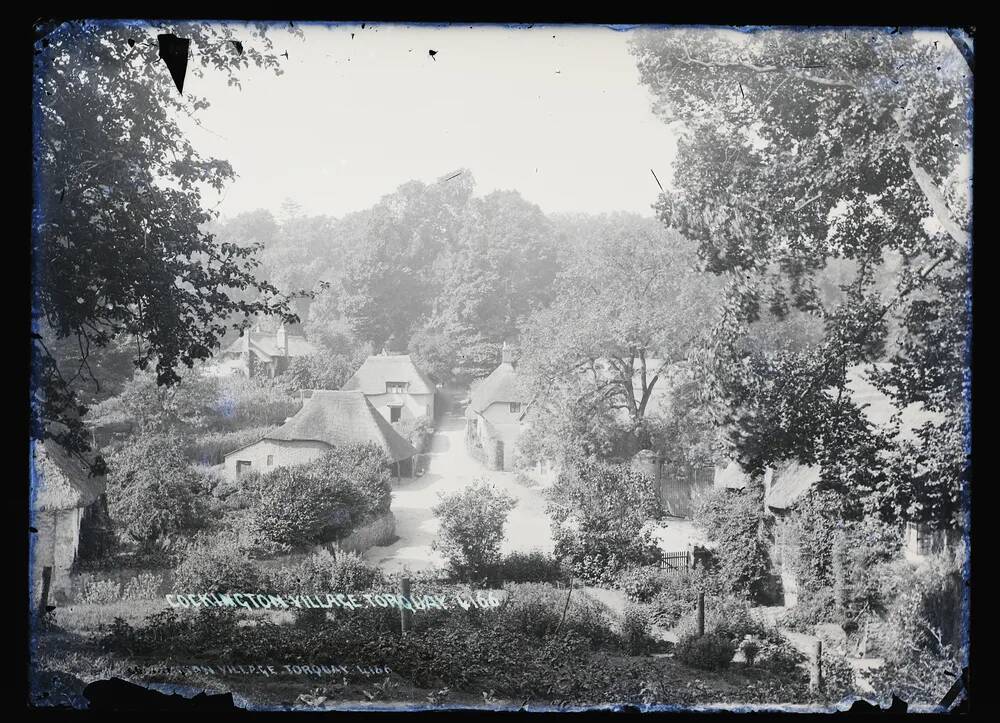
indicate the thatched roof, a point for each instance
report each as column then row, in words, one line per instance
column 372, row 376
column 61, row 481
column 340, row 418
column 500, row 386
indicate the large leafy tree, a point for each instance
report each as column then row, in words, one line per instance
column 626, row 313
column 118, row 246
column 798, row 150
column 389, row 282
column 498, row 271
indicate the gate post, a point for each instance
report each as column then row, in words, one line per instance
column 701, row 614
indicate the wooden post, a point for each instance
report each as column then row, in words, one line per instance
column 405, row 616
column 46, row 584
column 701, row 614
column 816, row 667
column 839, row 572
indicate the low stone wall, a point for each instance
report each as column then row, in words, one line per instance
column 379, row 531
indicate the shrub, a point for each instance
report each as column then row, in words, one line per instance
column 777, row 655
column 707, row 652
column 101, row 592
column 733, row 521
column 144, row 586
column 641, row 584
column 293, row 507
column 678, row 594
column 364, row 471
column 635, row 629
column 813, row 607
column 151, row 490
column 725, row 616
column 471, row 528
column 531, row 566
column 221, row 567
column 349, row 572
column 537, row 610
column 599, row 513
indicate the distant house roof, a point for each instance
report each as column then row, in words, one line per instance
column 339, row 418
column 265, row 344
column 370, row 378
column 785, row 485
column 62, row 481
column 789, row 482
column 500, row 386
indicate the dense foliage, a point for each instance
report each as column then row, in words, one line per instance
column 319, row 501
column 734, row 521
column 118, row 249
column 152, row 492
column 800, row 151
column 599, row 515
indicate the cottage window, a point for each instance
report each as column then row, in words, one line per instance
column 270, row 460
column 242, row 467
column 395, row 387
column 515, row 407
column 395, row 414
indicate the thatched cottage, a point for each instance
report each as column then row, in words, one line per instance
column 395, row 387
column 64, row 498
column 328, row 419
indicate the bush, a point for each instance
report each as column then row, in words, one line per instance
column 144, row 586
column 152, row 489
column 733, row 521
column 471, row 529
column 537, row 610
column 813, row 607
column 635, row 630
column 728, row 617
column 777, row 655
column 641, row 584
column 707, row 652
column 364, row 470
column 599, row 514
column 678, row 594
column 531, row 566
column 220, row 567
column 101, row 592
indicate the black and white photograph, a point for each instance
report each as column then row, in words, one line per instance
column 506, row 367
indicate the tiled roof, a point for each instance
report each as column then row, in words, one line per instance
column 341, row 418
column 500, row 386
column 62, row 481
column 371, row 377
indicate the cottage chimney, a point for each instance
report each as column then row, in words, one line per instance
column 281, row 338
column 506, row 354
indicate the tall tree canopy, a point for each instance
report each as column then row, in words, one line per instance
column 118, row 248
column 798, row 149
column 626, row 312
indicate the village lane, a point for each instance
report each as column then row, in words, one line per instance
column 450, row 468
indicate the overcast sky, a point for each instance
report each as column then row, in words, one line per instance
column 556, row 113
